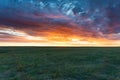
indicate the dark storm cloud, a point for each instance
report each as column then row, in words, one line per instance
column 83, row 17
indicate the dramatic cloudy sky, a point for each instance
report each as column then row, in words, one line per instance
column 59, row 22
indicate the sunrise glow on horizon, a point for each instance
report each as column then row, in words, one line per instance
column 59, row 23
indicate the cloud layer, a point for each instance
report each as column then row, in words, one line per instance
column 60, row 22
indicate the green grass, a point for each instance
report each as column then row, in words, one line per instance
column 36, row 63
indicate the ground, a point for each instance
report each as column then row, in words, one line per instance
column 60, row 63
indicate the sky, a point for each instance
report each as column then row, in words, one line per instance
column 59, row 22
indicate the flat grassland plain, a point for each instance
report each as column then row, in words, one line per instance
column 59, row 63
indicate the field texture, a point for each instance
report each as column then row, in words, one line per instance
column 37, row 63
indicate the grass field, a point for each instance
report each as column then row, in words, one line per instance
column 60, row 63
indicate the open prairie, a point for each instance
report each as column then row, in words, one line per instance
column 59, row 63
